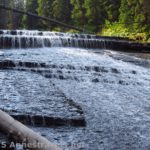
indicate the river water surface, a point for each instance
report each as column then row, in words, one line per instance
column 108, row 90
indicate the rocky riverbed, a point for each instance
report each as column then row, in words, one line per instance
column 80, row 99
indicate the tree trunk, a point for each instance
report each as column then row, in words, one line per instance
column 40, row 17
column 23, row 135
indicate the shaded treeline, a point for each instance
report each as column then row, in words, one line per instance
column 92, row 15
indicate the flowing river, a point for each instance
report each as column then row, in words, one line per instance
column 79, row 98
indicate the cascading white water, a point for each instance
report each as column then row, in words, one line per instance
column 39, row 85
column 34, row 39
column 27, row 39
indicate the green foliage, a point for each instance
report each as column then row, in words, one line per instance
column 62, row 10
column 78, row 12
column 131, row 21
column 73, row 31
column 112, row 9
column 129, row 18
column 132, row 16
column 119, row 30
column 115, row 29
column 45, row 10
column 95, row 12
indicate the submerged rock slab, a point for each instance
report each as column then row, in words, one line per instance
column 34, row 100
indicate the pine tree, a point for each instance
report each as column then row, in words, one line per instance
column 146, row 10
column 15, row 19
column 95, row 13
column 62, row 10
column 30, row 22
column 45, row 9
column 4, row 15
column 131, row 14
column 78, row 12
column 112, row 10
column 125, row 12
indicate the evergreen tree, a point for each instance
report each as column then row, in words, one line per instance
column 15, row 19
column 126, row 15
column 62, row 10
column 30, row 22
column 4, row 15
column 45, row 9
column 112, row 10
column 131, row 14
column 78, row 12
column 95, row 13
column 146, row 10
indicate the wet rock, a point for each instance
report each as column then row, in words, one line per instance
column 20, row 32
column 70, row 67
column 1, row 32
column 95, row 80
column 31, row 64
column 38, row 120
column 102, row 69
column 54, row 66
column 96, row 68
column 13, row 32
column 61, row 77
column 97, row 74
column 76, row 35
column 114, row 70
column 123, row 82
column 20, row 64
column 134, row 72
column 69, row 42
column 5, row 42
column 7, row 64
column 55, row 76
column 40, row 33
column 59, row 71
column 25, row 119
column 21, row 69
column 88, row 36
column 45, row 121
column 48, row 76
column 42, row 65
column 87, row 68
column 76, row 79
column 78, row 122
column 49, row 121
column 37, row 71
column 60, row 122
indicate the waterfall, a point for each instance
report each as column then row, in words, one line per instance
column 33, row 39
column 37, row 39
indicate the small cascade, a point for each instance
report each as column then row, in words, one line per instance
column 37, row 39
column 34, row 39
column 45, row 121
column 75, row 94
